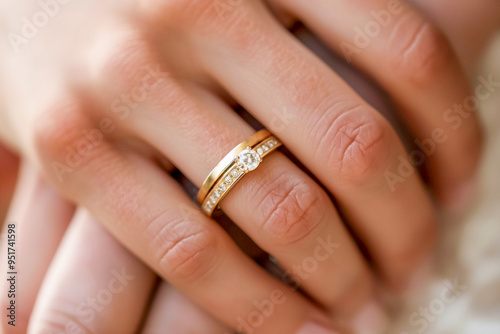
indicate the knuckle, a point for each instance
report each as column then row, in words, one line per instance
column 423, row 52
column 291, row 209
column 66, row 139
column 123, row 58
column 353, row 143
column 58, row 126
column 186, row 251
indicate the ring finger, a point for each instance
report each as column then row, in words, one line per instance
column 278, row 205
column 348, row 146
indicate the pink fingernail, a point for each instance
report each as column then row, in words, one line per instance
column 314, row 328
column 372, row 319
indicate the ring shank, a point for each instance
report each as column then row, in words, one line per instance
column 227, row 162
column 241, row 160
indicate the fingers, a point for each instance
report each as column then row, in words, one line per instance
column 150, row 214
column 278, row 206
column 289, row 216
column 349, row 147
column 471, row 33
column 93, row 285
column 173, row 312
column 40, row 216
column 412, row 59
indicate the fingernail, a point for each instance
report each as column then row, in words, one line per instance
column 462, row 196
column 372, row 319
column 314, row 328
column 421, row 275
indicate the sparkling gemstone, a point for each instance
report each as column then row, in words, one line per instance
column 228, row 180
column 265, row 147
column 216, row 194
column 213, row 200
column 270, row 143
column 249, row 159
column 260, row 151
column 222, row 188
column 235, row 173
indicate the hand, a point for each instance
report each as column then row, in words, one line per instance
column 90, row 282
column 119, row 101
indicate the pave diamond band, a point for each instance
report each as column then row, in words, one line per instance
column 243, row 159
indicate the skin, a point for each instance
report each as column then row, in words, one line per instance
column 62, row 277
column 145, row 210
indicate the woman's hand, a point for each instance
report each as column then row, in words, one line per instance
column 98, row 91
column 81, row 278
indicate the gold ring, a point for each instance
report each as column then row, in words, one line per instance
column 241, row 160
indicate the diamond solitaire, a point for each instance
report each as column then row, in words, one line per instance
column 242, row 159
column 248, row 159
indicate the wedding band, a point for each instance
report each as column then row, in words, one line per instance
column 241, row 160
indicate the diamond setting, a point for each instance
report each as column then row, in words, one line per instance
column 235, row 173
column 208, row 206
column 249, row 159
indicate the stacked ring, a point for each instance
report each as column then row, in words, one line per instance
column 241, row 160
